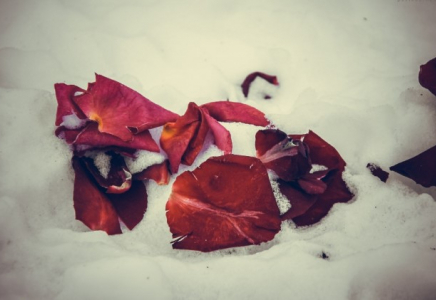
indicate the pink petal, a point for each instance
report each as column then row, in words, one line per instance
column 119, row 110
column 427, row 76
column 421, row 168
column 251, row 77
column 91, row 204
column 226, row 111
column 158, row 173
column 378, row 172
column 131, row 205
column 226, row 202
column 92, row 137
column 66, row 106
column 287, row 158
column 222, row 137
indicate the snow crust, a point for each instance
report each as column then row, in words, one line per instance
column 347, row 70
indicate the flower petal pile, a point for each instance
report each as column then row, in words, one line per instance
column 183, row 139
column 226, row 202
column 109, row 120
column 309, row 173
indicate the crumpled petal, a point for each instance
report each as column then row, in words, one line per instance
column 91, row 204
column 221, row 135
column 66, row 106
column 421, row 168
column 427, row 75
column 378, row 172
column 131, row 205
column 312, row 183
column 159, row 173
column 226, row 202
column 251, row 77
column 287, row 158
column 226, row 111
column 119, row 110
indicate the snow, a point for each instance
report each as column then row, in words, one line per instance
column 347, row 70
column 142, row 160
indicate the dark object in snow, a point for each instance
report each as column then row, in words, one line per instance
column 183, row 139
column 378, row 172
column 251, row 77
column 427, row 76
column 226, row 202
column 292, row 158
column 421, row 168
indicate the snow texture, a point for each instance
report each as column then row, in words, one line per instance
column 348, row 70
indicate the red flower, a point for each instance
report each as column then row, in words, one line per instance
column 226, row 202
column 105, row 122
column 427, row 76
column 295, row 159
column 183, row 139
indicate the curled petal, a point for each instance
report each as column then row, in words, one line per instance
column 312, row 183
column 427, row 76
column 69, row 135
column 222, row 136
column 251, row 77
column 119, row 110
column 158, row 173
column 91, row 204
column 226, row 202
column 131, row 205
column 299, row 199
column 421, row 168
column 226, row 111
column 66, row 106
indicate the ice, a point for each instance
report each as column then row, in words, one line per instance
column 347, row 70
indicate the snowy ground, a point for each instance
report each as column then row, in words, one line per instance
column 347, row 70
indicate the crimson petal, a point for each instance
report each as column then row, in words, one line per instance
column 427, row 76
column 251, row 77
column 226, row 111
column 158, row 173
column 91, row 204
column 312, row 184
column 64, row 96
column 119, row 110
column 131, row 205
column 226, row 202
column 421, row 168
column 222, row 136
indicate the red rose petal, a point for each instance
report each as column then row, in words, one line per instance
column 378, row 172
column 119, row 110
column 226, row 202
column 66, row 106
column 177, row 136
column 69, row 135
column 251, row 77
column 421, row 168
column 197, row 141
column 299, row 199
column 312, row 184
column 427, row 76
column 222, row 136
column 90, row 136
column 226, row 111
column 131, row 205
column 158, row 173
column 288, row 159
column 91, row 204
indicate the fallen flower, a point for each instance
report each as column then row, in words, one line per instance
column 427, row 75
column 226, row 202
column 252, row 77
column 183, row 139
column 309, row 173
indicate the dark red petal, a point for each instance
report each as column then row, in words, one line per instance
column 117, row 109
column 91, row 204
column 66, row 106
column 299, row 199
column 251, row 77
column 378, row 172
column 279, row 153
column 69, row 135
column 158, row 173
column 131, row 205
column 90, row 136
column 226, row 202
column 222, row 136
column 421, row 168
column 322, row 153
column 226, row 111
column 177, row 136
column 427, row 76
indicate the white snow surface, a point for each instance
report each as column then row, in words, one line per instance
column 347, row 70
